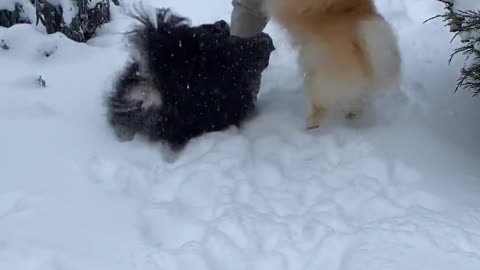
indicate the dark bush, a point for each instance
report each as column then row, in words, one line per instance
column 9, row 18
column 466, row 26
column 82, row 27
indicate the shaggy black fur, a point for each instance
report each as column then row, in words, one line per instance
column 204, row 79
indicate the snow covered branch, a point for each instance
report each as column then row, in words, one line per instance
column 11, row 13
column 466, row 25
column 77, row 19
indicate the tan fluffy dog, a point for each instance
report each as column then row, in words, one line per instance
column 347, row 50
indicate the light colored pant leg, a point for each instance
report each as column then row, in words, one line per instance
column 247, row 18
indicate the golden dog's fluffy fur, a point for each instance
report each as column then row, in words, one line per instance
column 347, row 50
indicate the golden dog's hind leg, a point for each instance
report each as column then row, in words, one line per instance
column 316, row 115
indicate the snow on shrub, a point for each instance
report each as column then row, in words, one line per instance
column 77, row 19
column 463, row 18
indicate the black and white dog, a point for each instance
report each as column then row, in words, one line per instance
column 184, row 81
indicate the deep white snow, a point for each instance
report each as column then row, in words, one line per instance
column 402, row 193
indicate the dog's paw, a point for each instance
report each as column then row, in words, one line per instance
column 355, row 112
column 315, row 117
column 355, row 118
column 351, row 115
column 312, row 123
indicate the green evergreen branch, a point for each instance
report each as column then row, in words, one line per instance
column 463, row 23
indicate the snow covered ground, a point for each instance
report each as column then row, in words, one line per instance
column 400, row 194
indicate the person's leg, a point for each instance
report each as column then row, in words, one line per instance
column 247, row 18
